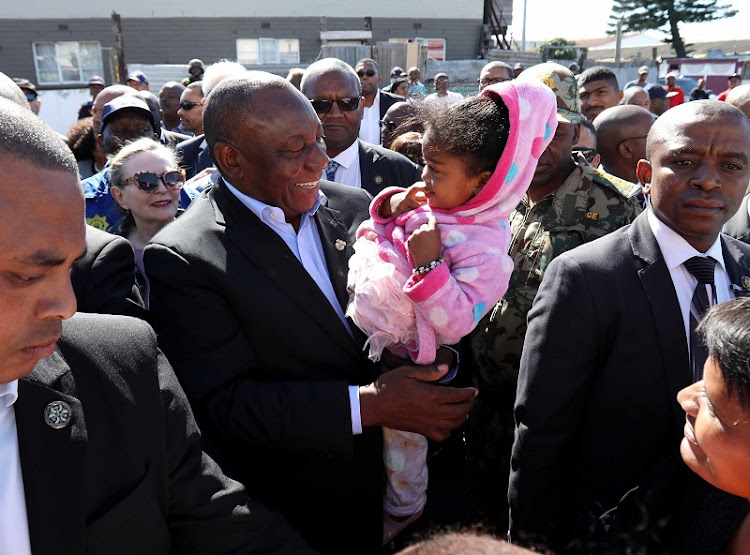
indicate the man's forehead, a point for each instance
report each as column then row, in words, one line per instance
column 697, row 131
column 596, row 85
column 334, row 82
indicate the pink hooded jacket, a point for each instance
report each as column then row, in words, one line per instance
column 397, row 311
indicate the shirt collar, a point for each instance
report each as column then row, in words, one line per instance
column 675, row 249
column 8, row 393
column 263, row 211
column 349, row 156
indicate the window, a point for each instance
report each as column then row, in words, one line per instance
column 435, row 47
column 267, row 51
column 67, row 61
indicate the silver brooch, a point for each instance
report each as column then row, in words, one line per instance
column 745, row 281
column 57, row 414
column 340, row 244
column 378, row 180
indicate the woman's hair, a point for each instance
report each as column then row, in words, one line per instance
column 726, row 332
column 475, row 129
column 116, row 174
column 410, row 145
column 81, row 139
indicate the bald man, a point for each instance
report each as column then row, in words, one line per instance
column 608, row 347
column 494, row 72
column 636, row 96
column 621, row 133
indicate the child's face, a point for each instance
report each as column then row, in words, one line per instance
column 448, row 184
column 716, row 445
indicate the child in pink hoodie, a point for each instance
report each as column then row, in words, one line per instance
column 432, row 259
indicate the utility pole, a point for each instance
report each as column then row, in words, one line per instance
column 119, row 49
column 618, row 43
column 523, row 29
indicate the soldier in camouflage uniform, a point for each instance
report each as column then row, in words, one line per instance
column 569, row 203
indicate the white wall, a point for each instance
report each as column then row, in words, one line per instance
column 59, row 108
column 85, row 9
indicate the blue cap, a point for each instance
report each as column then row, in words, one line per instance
column 138, row 76
column 655, row 91
column 127, row 103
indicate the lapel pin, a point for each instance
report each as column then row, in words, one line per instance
column 745, row 282
column 57, row 414
column 340, row 244
column 378, row 180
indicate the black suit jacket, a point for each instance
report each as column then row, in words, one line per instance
column 266, row 361
column 193, row 158
column 104, row 279
column 388, row 99
column 380, row 168
column 596, row 409
column 739, row 226
column 126, row 474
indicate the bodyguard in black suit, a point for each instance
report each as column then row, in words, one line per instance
column 248, row 289
column 375, row 99
column 194, row 156
column 104, row 278
column 334, row 90
column 607, row 351
column 739, row 226
column 99, row 451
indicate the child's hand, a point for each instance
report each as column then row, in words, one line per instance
column 424, row 244
column 411, row 199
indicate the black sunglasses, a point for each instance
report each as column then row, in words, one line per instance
column 187, row 105
column 369, row 73
column 391, row 125
column 148, row 182
column 344, row 104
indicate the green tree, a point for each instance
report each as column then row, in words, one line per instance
column 642, row 15
column 559, row 53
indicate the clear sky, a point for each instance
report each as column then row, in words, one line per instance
column 580, row 19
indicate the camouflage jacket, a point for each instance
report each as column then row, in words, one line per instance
column 585, row 207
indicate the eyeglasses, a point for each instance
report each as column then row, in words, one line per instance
column 488, row 82
column 369, row 73
column 187, row 105
column 148, row 182
column 391, row 125
column 344, row 104
column 588, row 153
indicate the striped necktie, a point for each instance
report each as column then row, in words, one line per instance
column 702, row 268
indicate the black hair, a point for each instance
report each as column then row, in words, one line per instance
column 588, row 124
column 726, row 332
column 598, row 73
column 26, row 137
column 81, row 140
column 475, row 129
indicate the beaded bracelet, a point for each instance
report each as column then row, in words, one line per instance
column 431, row 266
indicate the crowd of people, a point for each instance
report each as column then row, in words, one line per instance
column 331, row 314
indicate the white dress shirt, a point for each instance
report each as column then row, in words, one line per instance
column 348, row 170
column 14, row 527
column 369, row 129
column 306, row 245
column 675, row 251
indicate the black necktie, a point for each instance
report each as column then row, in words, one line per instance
column 702, row 269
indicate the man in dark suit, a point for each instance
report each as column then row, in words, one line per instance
column 99, row 452
column 608, row 348
column 248, row 291
column 336, row 94
column 194, row 156
column 376, row 101
column 104, row 278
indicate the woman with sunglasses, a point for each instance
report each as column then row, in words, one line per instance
column 145, row 183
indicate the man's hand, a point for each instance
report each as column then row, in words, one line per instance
column 411, row 199
column 404, row 399
column 424, row 244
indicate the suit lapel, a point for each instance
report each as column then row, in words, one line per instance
column 367, row 159
column 336, row 248
column 52, row 460
column 268, row 253
column 665, row 310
